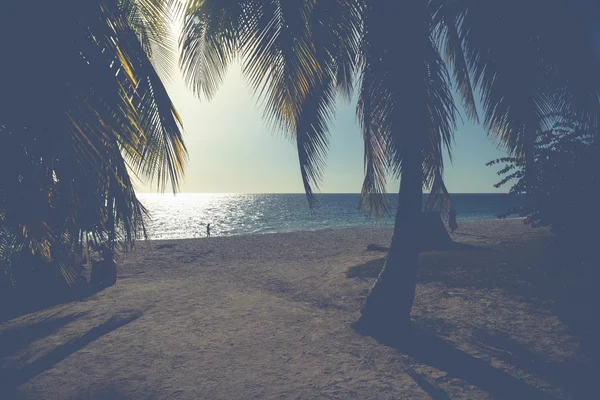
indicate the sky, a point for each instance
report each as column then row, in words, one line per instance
column 232, row 150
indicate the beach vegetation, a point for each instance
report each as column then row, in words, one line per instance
column 83, row 114
column 564, row 196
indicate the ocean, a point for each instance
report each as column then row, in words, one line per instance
column 185, row 215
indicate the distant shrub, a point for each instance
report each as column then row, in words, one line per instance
column 566, row 192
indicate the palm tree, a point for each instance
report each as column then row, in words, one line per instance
column 556, row 69
column 82, row 108
column 298, row 55
column 404, row 57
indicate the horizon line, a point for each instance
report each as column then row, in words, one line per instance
column 300, row 193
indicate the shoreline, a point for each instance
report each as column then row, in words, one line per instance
column 470, row 222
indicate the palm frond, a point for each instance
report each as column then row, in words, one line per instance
column 333, row 28
column 506, row 68
column 439, row 198
column 154, row 143
column 210, row 40
column 162, row 151
column 152, row 21
column 279, row 60
column 447, row 18
column 374, row 197
column 408, row 111
column 442, row 115
column 99, row 106
column 312, row 135
column 295, row 54
column 568, row 44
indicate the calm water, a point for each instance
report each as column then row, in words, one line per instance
column 186, row 215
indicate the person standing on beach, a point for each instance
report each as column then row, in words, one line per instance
column 208, row 230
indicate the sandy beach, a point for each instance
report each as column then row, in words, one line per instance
column 270, row 317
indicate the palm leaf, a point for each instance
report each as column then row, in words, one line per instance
column 99, row 106
column 447, row 18
column 412, row 110
column 210, row 40
column 513, row 98
column 295, row 54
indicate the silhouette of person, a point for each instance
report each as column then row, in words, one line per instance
column 208, row 230
column 452, row 220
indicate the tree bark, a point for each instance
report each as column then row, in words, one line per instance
column 389, row 303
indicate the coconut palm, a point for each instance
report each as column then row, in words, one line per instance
column 82, row 108
column 298, row 55
column 556, row 68
column 403, row 57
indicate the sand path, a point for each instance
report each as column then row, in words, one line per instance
column 269, row 316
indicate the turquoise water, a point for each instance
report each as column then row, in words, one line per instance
column 186, row 215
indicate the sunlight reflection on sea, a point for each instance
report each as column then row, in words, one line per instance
column 185, row 215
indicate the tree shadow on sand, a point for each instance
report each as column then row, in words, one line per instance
column 440, row 246
column 576, row 378
column 535, row 273
column 38, row 300
column 377, row 247
column 102, row 394
column 371, row 269
column 529, row 272
column 14, row 339
column 431, row 389
column 11, row 378
column 435, row 352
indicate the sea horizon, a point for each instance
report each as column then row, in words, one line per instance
column 166, row 192
column 185, row 215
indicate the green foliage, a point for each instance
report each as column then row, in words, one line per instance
column 565, row 191
column 564, row 195
column 81, row 108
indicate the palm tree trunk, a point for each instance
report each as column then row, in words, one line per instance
column 389, row 303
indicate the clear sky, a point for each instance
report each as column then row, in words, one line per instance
column 232, row 150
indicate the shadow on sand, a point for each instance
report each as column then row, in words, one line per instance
column 435, row 352
column 102, row 394
column 37, row 300
column 377, row 247
column 445, row 246
column 14, row 339
column 576, row 378
column 431, row 389
column 524, row 271
column 11, row 378
column 371, row 269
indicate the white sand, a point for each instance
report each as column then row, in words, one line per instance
column 269, row 316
